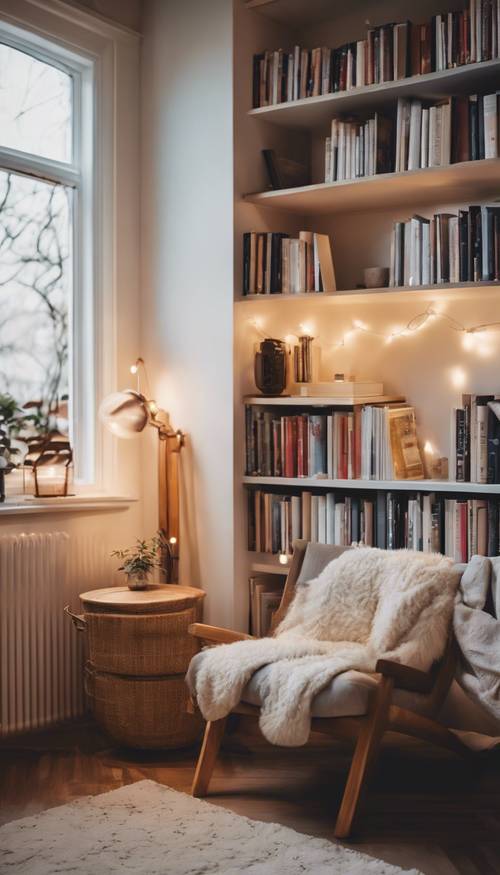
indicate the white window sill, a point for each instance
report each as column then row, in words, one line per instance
column 20, row 504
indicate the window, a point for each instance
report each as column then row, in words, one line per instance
column 46, row 265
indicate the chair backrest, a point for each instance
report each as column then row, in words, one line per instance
column 308, row 560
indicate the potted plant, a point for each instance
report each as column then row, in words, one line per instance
column 11, row 422
column 139, row 561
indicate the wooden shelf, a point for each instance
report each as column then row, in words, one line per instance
column 458, row 291
column 296, row 13
column 366, row 485
column 313, row 112
column 270, row 568
column 304, row 401
column 469, row 180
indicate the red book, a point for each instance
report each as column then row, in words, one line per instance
column 290, row 446
column 344, row 448
column 356, row 473
column 300, row 446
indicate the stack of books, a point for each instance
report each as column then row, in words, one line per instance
column 452, row 130
column 265, row 597
column 475, row 440
column 370, row 442
column 389, row 52
column 274, row 263
column 359, row 148
column 458, row 527
column 447, row 248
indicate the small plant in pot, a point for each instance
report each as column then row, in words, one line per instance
column 138, row 561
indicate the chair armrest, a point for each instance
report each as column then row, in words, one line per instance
column 405, row 677
column 217, row 634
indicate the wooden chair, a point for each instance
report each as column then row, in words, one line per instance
column 383, row 709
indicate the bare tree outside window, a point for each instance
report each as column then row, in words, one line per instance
column 35, row 238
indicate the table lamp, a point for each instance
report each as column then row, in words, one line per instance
column 126, row 414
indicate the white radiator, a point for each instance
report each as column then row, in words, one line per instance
column 41, row 653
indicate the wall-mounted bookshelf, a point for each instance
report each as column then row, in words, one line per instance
column 433, row 367
column 436, row 291
column 312, row 112
column 453, row 183
column 324, row 483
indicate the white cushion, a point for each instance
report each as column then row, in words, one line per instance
column 347, row 695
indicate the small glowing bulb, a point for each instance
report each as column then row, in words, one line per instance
column 172, row 540
column 306, row 329
column 347, row 336
column 361, row 326
column 468, row 341
column 290, row 339
column 283, row 559
column 428, row 448
column 458, row 378
column 133, row 369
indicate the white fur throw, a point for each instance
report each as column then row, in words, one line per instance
column 366, row 605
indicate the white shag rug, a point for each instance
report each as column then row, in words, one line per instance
column 148, row 828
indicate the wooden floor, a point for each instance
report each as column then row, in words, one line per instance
column 425, row 809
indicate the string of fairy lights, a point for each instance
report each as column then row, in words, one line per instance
column 415, row 324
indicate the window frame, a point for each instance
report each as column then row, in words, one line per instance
column 76, row 174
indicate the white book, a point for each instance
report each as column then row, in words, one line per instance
column 341, row 151
column 314, row 518
column 427, row 524
column 339, row 524
column 330, row 518
column 490, row 115
column 334, row 148
column 360, row 63
column 294, row 271
column 328, row 160
column 415, row 135
column 426, row 253
column 322, row 519
column 424, row 139
column 453, row 249
column 482, row 442
column 306, row 515
column 445, row 156
column 296, row 518
column 329, row 446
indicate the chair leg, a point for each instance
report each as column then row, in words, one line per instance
column 365, row 753
column 214, row 732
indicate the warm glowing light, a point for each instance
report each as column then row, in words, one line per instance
column 290, row 339
column 361, row 326
column 283, row 559
column 468, row 341
column 458, row 377
column 172, row 540
column 429, row 449
column 306, row 329
column 347, row 336
column 133, row 369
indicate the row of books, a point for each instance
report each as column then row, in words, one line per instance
column 371, row 442
column 475, row 439
column 359, row 148
column 447, row 248
column 423, row 134
column 389, row 52
column 457, row 527
column 275, row 263
column 265, row 593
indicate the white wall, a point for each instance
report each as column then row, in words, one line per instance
column 187, row 245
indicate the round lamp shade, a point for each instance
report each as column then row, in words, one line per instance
column 124, row 413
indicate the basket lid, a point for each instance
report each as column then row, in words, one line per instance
column 160, row 598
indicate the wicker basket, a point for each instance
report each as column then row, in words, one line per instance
column 145, row 712
column 141, row 645
column 139, row 651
